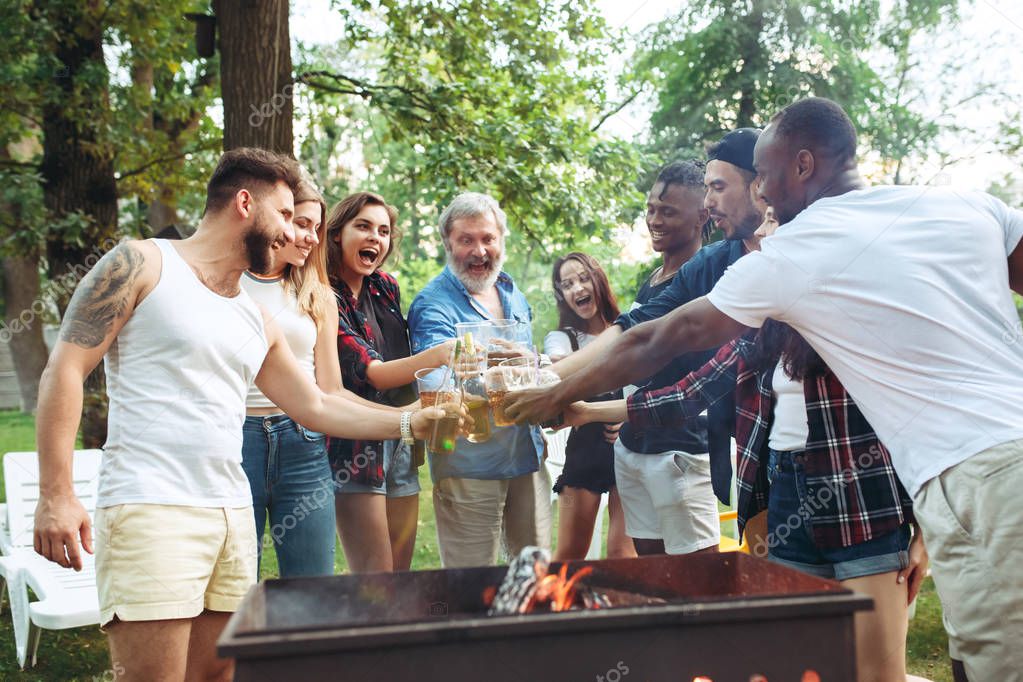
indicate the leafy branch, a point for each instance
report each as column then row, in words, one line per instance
column 168, row 159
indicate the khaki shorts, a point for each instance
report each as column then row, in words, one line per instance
column 669, row 497
column 474, row 516
column 157, row 562
column 972, row 520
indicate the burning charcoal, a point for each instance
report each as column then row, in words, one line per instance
column 612, row 597
column 524, row 572
column 591, row 598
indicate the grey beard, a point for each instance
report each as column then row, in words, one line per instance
column 476, row 285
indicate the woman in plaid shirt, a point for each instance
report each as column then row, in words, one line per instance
column 376, row 483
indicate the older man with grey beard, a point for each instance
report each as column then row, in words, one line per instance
column 483, row 490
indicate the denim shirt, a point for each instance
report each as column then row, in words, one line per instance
column 512, row 450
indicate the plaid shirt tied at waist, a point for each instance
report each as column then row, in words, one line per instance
column 853, row 493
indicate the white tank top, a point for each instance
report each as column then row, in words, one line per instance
column 177, row 375
column 298, row 328
column 789, row 428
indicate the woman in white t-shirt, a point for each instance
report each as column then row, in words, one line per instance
column 586, row 307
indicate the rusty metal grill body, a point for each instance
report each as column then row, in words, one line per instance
column 727, row 617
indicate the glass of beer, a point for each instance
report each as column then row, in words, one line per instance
column 510, row 339
column 497, row 389
column 473, row 358
column 429, row 380
column 510, row 375
column 474, row 393
column 445, row 430
column 496, row 340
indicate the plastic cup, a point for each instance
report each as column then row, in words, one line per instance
column 511, row 375
column 474, row 395
column 445, row 430
column 498, row 339
column 430, row 380
column 520, row 372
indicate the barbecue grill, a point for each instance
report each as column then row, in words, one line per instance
column 725, row 618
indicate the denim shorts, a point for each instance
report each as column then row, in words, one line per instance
column 795, row 546
column 401, row 475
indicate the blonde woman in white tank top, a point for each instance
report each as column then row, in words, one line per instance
column 285, row 463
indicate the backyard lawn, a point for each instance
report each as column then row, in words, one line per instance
column 81, row 654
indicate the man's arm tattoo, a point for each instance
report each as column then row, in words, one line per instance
column 102, row 297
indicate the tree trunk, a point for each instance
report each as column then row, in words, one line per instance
column 23, row 316
column 162, row 211
column 178, row 128
column 753, row 62
column 255, row 74
column 78, row 171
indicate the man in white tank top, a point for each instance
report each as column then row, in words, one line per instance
column 174, row 541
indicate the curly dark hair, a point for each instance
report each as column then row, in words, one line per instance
column 687, row 174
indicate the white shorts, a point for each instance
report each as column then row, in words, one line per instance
column 668, row 496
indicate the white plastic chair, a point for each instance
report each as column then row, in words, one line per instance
column 557, row 441
column 67, row 599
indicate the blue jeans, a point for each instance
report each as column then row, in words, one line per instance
column 792, row 542
column 288, row 473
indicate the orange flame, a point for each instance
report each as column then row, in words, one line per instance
column 558, row 591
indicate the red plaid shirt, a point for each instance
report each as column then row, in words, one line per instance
column 852, row 492
column 356, row 349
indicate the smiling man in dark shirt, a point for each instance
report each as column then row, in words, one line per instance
column 677, row 498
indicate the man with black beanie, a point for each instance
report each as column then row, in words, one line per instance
column 676, row 513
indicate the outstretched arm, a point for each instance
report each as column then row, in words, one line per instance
column 282, row 381
column 394, row 373
column 328, row 371
column 638, row 353
column 101, row 304
column 590, row 355
column 607, row 411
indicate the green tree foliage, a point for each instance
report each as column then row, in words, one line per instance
column 140, row 102
column 92, row 116
column 161, row 92
column 503, row 97
column 500, row 97
column 720, row 65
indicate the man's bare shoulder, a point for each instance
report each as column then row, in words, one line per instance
column 109, row 293
column 152, row 260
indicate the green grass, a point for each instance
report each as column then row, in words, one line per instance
column 81, row 654
column 78, row 654
column 927, row 643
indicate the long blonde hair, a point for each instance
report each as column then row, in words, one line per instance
column 310, row 283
